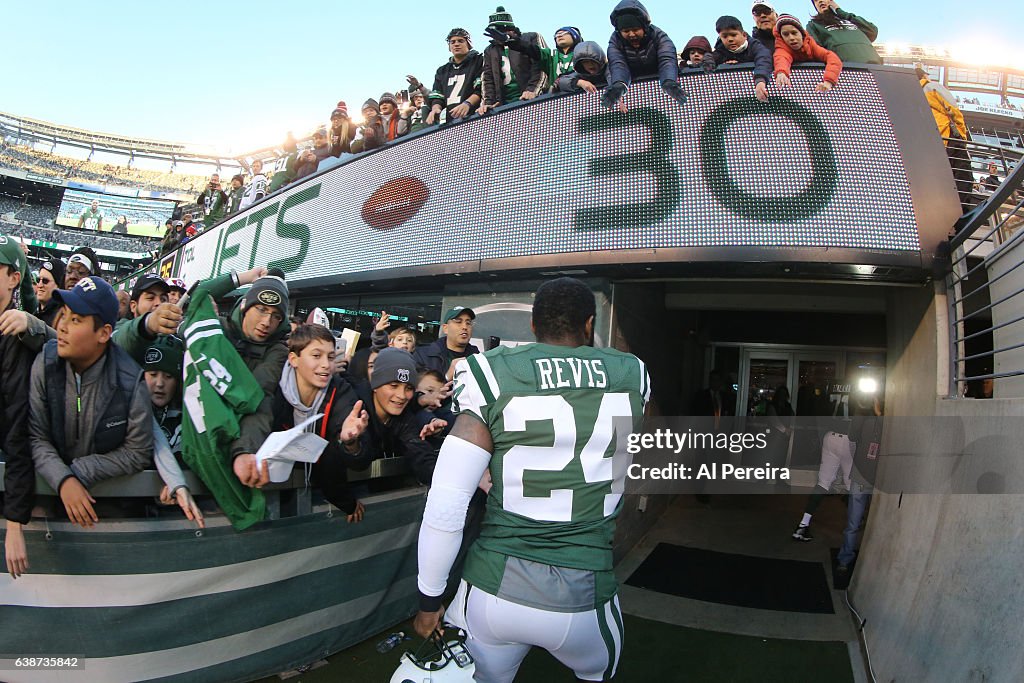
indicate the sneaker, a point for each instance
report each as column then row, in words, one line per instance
column 803, row 533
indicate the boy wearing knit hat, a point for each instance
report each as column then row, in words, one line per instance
column 509, row 75
column 256, row 326
column 236, row 193
column 638, row 49
column 457, row 82
column 392, row 430
column 735, row 46
column 162, row 368
column 794, row 45
column 372, row 130
column 395, row 124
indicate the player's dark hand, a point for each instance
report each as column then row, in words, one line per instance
column 709, row 63
column 673, row 90
column 612, row 94
column 425, row 622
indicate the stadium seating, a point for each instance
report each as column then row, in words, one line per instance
column 78, row 238
column 45, row 163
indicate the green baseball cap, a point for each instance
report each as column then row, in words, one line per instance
column 11, row 254
column 457, row 311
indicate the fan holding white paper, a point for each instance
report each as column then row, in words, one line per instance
column 282, row 450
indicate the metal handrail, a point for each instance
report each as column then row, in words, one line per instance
column 990, row 223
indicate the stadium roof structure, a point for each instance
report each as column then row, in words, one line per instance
column 42, row 131
column 26, row 128
column 958, row 73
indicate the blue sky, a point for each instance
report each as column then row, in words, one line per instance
column 240, row 74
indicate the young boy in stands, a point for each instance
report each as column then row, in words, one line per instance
column 400, row 338
column 794, row 45
column 735, row 46
column 692, row 56
column 90, row 413
column 309, row 386
column 589, row 72
column 392, row 430
column 638, row 49
column 16, row 365
column 162, row 368
column 151, row 315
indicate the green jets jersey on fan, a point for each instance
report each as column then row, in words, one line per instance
column 91, row 219
column 511, row 85
column 219, row 388
column 559, row 418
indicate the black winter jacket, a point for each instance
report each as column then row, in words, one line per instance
column 656, row 55
column 436, row 356
column 755, row 52
column 19, row 473
column 766, row 38
column 399, row 437
column 330, row 472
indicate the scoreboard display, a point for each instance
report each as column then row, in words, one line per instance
column 565, row 179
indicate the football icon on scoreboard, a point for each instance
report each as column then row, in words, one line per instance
column 395, row 202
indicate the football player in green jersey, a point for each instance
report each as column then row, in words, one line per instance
column 91, row 218
column 549, row 421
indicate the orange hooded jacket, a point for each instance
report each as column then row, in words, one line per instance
column 810, row 51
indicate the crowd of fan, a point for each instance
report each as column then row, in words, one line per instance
column 518, row 65
column 261, row 371
column 46, row 163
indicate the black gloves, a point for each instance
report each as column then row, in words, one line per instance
column 502, row 38
column 612, row 94
column 673, row 90
column 709, row 62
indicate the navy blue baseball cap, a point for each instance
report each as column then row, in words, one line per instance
column 91, row 296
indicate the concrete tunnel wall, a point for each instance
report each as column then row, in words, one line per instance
column 938, row 580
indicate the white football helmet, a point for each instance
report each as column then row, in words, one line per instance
column 440, row 659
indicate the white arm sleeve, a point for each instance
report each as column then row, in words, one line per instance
column 163, row 457
column 459, row 468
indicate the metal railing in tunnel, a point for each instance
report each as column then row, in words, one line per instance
column 985, row 287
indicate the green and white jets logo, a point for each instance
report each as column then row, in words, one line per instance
column 269, row 297
column 153, row 355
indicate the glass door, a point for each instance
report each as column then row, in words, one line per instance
column 762, row 373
